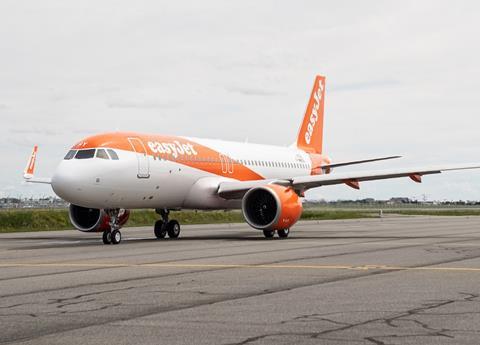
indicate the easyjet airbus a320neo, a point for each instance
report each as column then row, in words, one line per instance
column 106, row 175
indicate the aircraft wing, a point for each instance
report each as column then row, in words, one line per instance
column 236, row 190
column 28, row 174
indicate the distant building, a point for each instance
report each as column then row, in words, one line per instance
column 50, row 202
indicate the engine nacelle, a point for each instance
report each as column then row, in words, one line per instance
column 271, row 207
column 92, row 219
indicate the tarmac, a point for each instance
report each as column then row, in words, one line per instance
column 395, row 280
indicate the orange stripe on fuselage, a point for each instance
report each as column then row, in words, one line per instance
column 175, row 149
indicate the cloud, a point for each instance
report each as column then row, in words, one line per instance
column 41, row 132
column 142, row 104
column 144, row 98
column 365, row 85
column 252, row 91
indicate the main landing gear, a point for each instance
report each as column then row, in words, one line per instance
column 282, row 233
column 113, row 235
column 166, row 226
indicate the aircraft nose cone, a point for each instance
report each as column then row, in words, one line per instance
column 66, row 182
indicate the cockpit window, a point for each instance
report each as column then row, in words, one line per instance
column 101, row 153
column 85, row 154
column 70, row 154
column 113, row 154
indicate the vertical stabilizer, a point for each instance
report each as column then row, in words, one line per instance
column 310, row 136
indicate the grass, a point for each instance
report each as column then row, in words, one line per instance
column 319, row 214
column 34, row 220
column 450, row 212
column 46, row 220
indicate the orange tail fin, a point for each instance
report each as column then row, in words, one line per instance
column 310, row 137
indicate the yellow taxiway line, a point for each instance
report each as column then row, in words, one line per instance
column 250, row 266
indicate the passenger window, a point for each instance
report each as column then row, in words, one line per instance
column 113, row 154
column 85, row 154
column 101, row 153
column 70, row 154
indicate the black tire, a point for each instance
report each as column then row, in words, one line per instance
column 283, row 233
column 160, row 229
column 173, row 229
column 107, row 237
column 116, row 237
column 268, row 233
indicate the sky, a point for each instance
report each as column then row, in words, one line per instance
column 402, row 78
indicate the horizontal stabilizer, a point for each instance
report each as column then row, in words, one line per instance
column 42, row 180
column 343, row 164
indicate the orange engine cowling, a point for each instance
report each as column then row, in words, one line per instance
column 92, row 219
column 271, row 207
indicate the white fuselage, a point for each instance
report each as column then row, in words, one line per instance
column 145, row 180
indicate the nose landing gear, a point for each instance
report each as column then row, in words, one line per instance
column 113, row 235
column 166, row 226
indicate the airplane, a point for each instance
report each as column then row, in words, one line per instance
column 106, row 175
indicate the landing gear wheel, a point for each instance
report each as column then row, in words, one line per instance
column 107, row 237
column 113, row 236
column 268, row 233
column 283, row 233
column 173, row 229
column 116, row 237
column 160, row 229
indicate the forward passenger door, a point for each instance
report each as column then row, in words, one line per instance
column 142, row 158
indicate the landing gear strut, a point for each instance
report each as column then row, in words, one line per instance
column 113, row 236
column 166, row 226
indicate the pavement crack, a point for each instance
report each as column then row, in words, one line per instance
column 374, row 341
column 314, row 318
